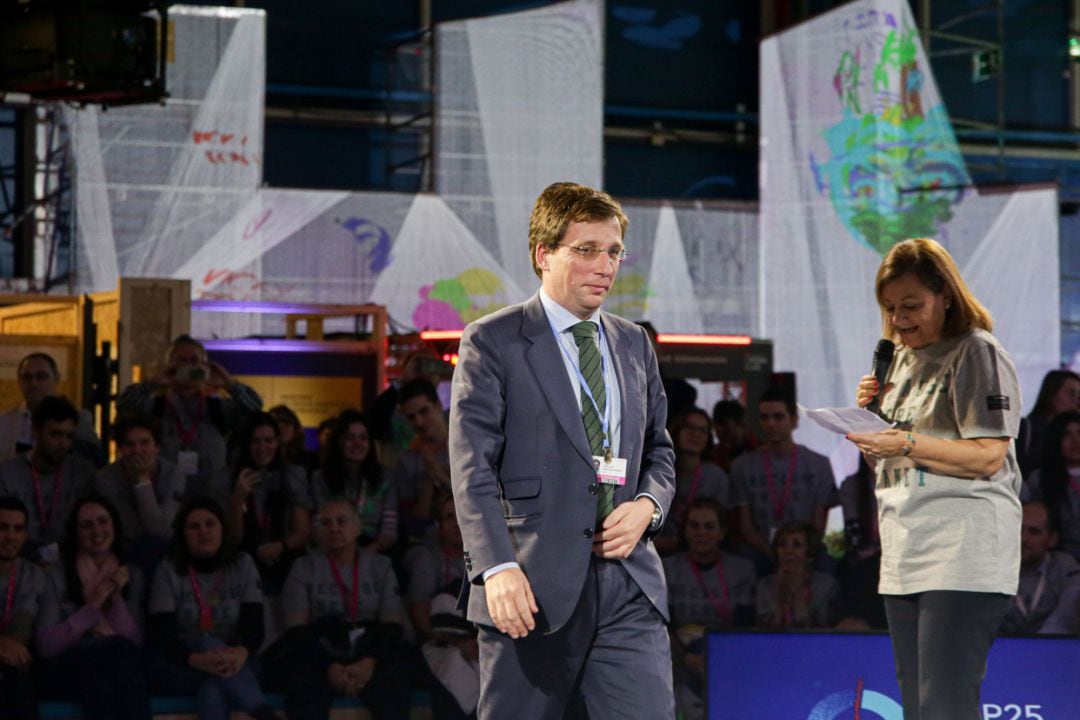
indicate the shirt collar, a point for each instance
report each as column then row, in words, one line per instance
column 561, row 318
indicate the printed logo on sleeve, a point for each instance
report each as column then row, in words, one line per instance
column 997, row 402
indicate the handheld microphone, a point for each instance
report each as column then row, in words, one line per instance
column 883, row 355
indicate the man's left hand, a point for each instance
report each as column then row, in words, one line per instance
column 623, row 528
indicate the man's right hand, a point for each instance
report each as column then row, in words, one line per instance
column 511, row 603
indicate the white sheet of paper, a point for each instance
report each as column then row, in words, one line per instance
column 846, row 420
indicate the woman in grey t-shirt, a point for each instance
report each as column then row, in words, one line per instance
column 948, row 482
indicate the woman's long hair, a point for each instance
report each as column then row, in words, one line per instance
column 676, row 424
column 1051, row 384
column 333, row 469
column 69, row 546
column 1054, row 473
column 242, row 442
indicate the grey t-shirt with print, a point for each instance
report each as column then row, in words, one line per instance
column 940, row 532
column 224, row 590
column 311, row 588
column 689, row 596
column 812, row 486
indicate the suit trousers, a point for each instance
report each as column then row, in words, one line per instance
column 941, row 640
column 614, row 648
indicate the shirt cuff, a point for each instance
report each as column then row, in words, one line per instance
column 657, row 504
column 498, row 568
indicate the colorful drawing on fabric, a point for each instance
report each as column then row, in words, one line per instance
column 374, row 238
column 893, row 169
column 452, row 303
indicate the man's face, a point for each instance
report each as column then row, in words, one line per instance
column 12, row 534
column 138, row 441
column 777, row 423
column 581, row 285
column 186, row 359
column 37, row 381
column 338, row 526
column 1035, row 536
column 53, row 441
column 424, row 417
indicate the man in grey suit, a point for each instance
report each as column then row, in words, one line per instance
column 563, row 579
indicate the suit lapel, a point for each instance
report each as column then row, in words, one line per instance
column 546, row 361
column 624, row 371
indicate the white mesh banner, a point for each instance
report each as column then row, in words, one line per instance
column 857, row 153
column 155, row 183
column 519, row 105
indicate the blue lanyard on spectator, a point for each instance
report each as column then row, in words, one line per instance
column 604, row 421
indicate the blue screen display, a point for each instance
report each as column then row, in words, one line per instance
column 825, row 676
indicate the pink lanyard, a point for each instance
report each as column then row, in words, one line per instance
column 351, row 600
column 206, row 617
column 46, row 518
column 9, row 601
column 722, row 607
column 188, row 434
column 780, row 505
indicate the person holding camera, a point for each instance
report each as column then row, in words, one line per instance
column 196, row 420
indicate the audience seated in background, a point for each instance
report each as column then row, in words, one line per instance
column 345, row 623
column 796, row 596
column 706, row 588
column 195, row 419
column 38, row 376
column 694, row 476
column 292, row 439
column 49, row 478
column 1058, row 393
column 1056, row 483
column 89, row 632
column 452, row 655
column 1048, row 599
column 145, row 489
column 423, row 472
column 434, row 567
column 268, row 506
column 861, row 567
column 205, row 618
column 780, row 481
column 388, row 424
column 351, row 470
column 22, row 583
column 733, row 437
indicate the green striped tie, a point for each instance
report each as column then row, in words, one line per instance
column 592, row 371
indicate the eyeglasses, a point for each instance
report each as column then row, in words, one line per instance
column 588, row 254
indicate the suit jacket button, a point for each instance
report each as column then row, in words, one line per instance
column 588, row 533
column 594, row 488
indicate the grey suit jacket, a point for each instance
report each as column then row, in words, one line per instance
column 521, row 466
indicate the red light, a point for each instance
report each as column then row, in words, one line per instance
column 702, row 339
column 440, row 335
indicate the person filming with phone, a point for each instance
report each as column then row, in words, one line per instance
column 196, row 417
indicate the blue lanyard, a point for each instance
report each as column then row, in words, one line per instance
column 604, row 421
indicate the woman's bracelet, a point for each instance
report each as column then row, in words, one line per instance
column 909, row 445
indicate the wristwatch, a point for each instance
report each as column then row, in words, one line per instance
column 657, row 516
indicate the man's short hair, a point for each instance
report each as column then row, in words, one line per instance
column 778, row 394
column 54, row 408
column 418, row 388
column 127, row 423
column 728, row 411
column 44, row 357
column 562, row 203
column 1053, row 522
column 186, row 340
column 14, row 504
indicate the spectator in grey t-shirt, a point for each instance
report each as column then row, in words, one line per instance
column 780, row 481
column 434, row 567
column 145, row 489
column 345, row 618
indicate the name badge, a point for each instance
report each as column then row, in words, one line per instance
column 49, row 554
column 610, row 472
column 187, row 462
